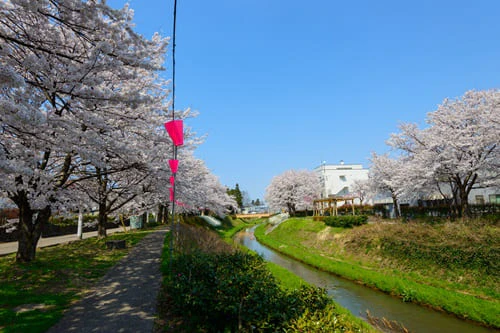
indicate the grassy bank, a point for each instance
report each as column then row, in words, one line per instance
column 209, row 279
column 231, row 227
column 34, row 295
column 465, row 288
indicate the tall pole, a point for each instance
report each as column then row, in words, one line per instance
column 172, row 224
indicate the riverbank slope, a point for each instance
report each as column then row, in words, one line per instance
column 452, row 267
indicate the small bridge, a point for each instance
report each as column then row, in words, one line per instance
column 252, row 216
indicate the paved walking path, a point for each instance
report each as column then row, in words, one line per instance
column 11, row 247
column 124, row 300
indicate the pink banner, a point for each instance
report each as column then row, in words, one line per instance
column 174, row 165
column 174, row 129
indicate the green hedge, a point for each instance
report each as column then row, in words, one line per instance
column 345, row 221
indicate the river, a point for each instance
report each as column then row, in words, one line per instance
column 358, row 299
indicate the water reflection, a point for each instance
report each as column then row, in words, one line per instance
column 358, row 299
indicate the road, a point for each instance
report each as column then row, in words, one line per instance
column 11, row 247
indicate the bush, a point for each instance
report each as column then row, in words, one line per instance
column 304, row 213
column 219, row 292
column 326, row 320
column 212, row 287
column 346, row 221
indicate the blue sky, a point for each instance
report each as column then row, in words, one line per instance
column 287, row 84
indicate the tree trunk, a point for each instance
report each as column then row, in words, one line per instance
column 463, row 188
column 30, row 228
column 101, row 222
column 166, row 215
column 159, row 215
column 464, row 203
column 456, row 204
column 396, row 206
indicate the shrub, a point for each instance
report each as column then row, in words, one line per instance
column 214, row 288
column 216, row 292
column 326, row 320
column 304, row 213
column 346, row 221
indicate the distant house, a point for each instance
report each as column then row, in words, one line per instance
column 337, row 179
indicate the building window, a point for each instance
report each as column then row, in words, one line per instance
column 480, row 199
column 495, row 199
column 342, row 178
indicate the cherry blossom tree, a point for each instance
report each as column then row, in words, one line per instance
column 198, row 188
column 460, row 148
column 127, row 178
column 361, row 187
column 111, row 192
column 293, row 190
column 384, row 177
column 64, row 69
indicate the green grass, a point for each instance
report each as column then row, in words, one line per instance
column 286, row 279
column 52, row 282
column 302, row 239
column 228, row 231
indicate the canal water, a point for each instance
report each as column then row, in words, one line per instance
column 358, row 299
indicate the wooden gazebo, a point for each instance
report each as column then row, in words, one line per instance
column 328, row 206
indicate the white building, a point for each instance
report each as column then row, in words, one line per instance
column 337, row 179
